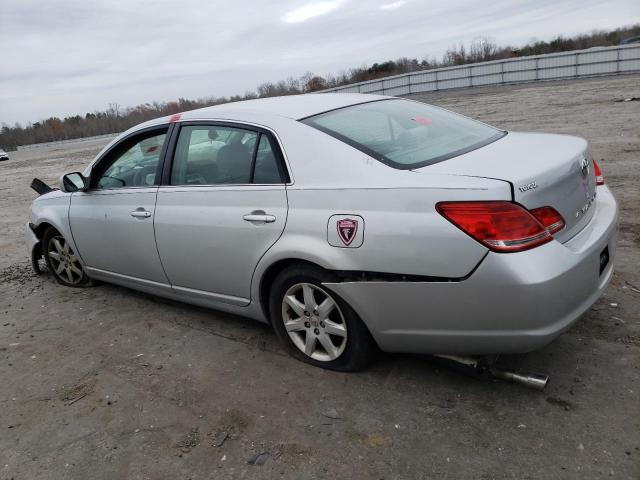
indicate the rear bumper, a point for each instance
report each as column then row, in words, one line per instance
column 512, row 303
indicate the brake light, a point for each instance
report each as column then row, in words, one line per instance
column 598, row 172
column 549, row 218
column 500, row 226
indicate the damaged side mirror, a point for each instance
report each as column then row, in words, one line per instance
column 73, row 182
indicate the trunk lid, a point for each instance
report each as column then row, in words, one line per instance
column 543, row 170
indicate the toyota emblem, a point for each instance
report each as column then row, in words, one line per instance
column 584, row 166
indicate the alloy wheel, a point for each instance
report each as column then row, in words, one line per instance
column 64, row 261
column 314, row 322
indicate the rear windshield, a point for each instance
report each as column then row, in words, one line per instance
column 404, row 134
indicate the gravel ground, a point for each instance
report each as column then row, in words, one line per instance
column 108, row 383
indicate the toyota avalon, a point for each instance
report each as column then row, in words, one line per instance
column 348, row 222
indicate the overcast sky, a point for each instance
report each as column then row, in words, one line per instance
column 64, row 57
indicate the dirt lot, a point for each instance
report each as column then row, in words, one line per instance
column 109, row 383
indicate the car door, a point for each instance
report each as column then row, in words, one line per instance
column 223, row 205
column 112, row 221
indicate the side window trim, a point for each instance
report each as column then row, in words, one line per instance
column 254, row 156
column 169, row 154
column 106, row 158
column 280, row 162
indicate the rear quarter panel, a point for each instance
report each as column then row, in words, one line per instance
column 403, row 233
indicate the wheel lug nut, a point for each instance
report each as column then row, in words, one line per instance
column 306, row 314
column 322, row 324
column 307, row 324
column 315, row 312
column 316, row 331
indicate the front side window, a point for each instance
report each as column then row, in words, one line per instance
column 134, row 163
column 404, row 134
column 214, row 155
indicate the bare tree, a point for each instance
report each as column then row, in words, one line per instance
column 483, row 49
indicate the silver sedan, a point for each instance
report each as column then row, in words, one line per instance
column 348, row 222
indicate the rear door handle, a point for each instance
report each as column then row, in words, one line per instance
column 259, row 217
column 141, row 213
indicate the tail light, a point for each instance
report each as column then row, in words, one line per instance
column 598, row 172
column 500, row 226
column 549, row 218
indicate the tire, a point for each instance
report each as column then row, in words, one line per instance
column 305, row 322
column 62, row 261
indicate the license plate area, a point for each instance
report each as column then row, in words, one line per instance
column 604, row 259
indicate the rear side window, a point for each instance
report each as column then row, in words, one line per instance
column 214, row 155
column 267, row 168
column 404, row 134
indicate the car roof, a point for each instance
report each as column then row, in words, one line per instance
column 262, row 111
column 295, row 107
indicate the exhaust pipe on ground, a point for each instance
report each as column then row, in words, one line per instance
column 533, row 380
column 486, row 365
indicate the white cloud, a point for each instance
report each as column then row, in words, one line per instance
column 311, row 10
column 393, row 6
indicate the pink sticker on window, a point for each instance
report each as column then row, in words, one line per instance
column 422, row 120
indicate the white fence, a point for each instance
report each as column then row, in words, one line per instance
column 553, row 66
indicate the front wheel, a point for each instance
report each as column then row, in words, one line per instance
column 62, row 261
column 316, row 325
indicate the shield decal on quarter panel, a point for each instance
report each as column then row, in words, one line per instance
column 347, row 229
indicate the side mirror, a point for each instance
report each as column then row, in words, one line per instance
column 73, row 182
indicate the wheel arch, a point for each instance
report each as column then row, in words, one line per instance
column 43, row 227
column 52, row 210
column 270, row 274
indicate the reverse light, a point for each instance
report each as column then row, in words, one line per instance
column 500, row 226
column 598, row 172
column 549, row 218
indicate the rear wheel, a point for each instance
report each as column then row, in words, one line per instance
column 315, row 324
column 62, row 261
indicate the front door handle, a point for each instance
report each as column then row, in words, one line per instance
column 259, row 217
column 140, row 213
